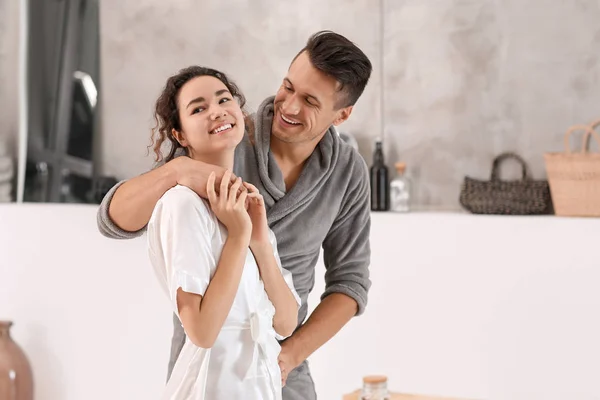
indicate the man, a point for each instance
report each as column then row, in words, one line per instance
column 316, row 191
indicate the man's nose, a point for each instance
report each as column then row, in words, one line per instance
column 291, row 105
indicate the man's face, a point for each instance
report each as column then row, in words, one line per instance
column 305, row 104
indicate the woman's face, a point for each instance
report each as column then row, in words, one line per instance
column 211, row 119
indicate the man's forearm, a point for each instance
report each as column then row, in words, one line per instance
column 132, row 204
column 325, row 322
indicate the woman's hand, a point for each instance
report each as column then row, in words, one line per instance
column 229, row 207
column 258, row 216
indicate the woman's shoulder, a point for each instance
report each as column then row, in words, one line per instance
column 183, row 199
column 183, row 195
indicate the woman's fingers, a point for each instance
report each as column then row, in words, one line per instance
column 241, row 200
column 224, row 189
column 251, row 188
column 254, row 194
column 233, row 191
column 256, row 199
column 210, row 188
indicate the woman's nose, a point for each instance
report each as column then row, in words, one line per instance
column 217, row 112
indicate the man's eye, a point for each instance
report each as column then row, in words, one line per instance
column 289, row 89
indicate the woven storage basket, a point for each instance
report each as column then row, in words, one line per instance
column 574, row 178
column 495, row 196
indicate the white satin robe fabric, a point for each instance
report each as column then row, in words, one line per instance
column 185, row 241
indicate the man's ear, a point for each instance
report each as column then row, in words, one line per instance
column 343, row 115
column 180, row 137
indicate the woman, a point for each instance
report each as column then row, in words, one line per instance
column 217, row 259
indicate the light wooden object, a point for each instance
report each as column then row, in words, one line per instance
column 399, row 396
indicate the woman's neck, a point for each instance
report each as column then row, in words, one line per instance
column 223, row 159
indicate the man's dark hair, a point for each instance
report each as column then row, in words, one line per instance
column 336, row 56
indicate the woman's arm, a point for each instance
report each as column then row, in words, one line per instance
column 280, row 294
column 203, row 317
column 178, row 234
column 264, row 247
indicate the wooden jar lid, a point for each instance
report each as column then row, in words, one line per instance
column 375, row 379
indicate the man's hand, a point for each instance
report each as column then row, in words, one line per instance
column 288, row 360
column 194, row 174
column 326, row 320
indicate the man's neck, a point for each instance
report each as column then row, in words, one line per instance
column 290, row 158
column 292, row 153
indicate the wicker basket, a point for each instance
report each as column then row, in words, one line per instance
column 495, row 196
column 574, row 178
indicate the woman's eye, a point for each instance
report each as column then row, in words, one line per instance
column 224, row 100
column 197, row 110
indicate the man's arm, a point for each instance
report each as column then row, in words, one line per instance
column 346, row 256
column 133, row 202
column 330, row 316
column 127, row 208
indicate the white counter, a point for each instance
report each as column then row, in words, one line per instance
column 461, row 305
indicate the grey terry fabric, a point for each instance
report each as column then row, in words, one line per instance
column 327, row 208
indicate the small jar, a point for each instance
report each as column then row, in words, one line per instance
column 375, row 388
column 400, row 190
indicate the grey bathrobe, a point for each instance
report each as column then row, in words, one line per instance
column 327, row 208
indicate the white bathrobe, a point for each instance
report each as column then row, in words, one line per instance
column 185, row 241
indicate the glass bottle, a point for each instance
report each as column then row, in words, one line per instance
column 400, row 189
column 375, row 388
column 380, row 199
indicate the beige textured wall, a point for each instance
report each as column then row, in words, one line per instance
column 466, row 80
column 463, row 79
column 253, row 42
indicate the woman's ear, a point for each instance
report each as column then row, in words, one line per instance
column 180, row 137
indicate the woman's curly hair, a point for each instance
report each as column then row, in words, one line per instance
column 166, row 112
